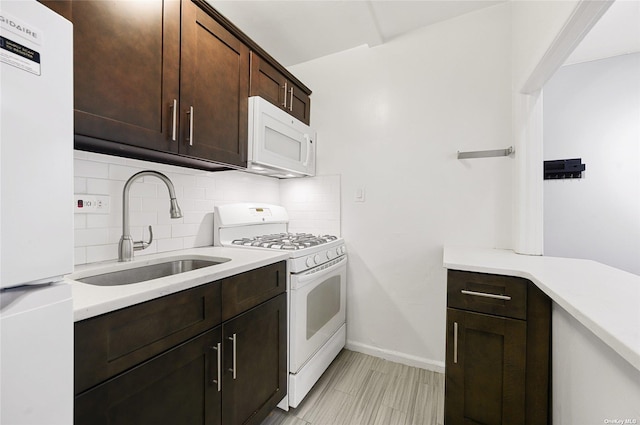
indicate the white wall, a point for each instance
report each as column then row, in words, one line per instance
column 390, row 120
column 592, row 111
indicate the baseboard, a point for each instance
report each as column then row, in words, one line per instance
column 396, row 356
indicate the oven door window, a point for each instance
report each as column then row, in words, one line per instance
column 323, row 303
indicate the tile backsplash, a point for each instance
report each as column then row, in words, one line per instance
column 313, row 204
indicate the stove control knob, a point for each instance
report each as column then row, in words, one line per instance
column 330, row 255
column 338, row 251
column 316, row 258
column 309, row 262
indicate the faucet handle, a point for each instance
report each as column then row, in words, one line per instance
column 140, row 245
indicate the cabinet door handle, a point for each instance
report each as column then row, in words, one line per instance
column 284, row 104
column 218, row 381
column 291, row 99
column 234, row 338
column 174, row 119
column 455, row 342
column 190, row 113
column 486, row 295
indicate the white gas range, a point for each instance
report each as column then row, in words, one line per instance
column 316, row 284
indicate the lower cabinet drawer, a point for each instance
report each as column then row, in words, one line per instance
column 247, row 290
column 114, row 342
column 487, row 293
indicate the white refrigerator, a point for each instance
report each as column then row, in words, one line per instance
column 36, row 215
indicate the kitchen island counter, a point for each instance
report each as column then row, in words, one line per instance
column 92, row 300
column 604, row 299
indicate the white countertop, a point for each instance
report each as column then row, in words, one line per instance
column 604, row 299
column 93, row 300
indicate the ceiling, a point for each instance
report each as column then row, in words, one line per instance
column 296, row 31
column 616, row 33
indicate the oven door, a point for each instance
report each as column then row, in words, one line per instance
column 317, row 309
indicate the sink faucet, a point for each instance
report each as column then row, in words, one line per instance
column 127, row 246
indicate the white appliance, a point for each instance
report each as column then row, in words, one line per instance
column 316, row 284
column 36, row 215
column 279, row 144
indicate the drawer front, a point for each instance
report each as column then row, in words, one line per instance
column 487, row 293
column 114, row 342
column 247, row 290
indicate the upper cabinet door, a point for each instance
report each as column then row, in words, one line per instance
column 267, row 82
column 299, row 103
column 214, row 90
column 126, row 64
column 272, row 85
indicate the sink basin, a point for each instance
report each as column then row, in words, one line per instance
column 149, row 272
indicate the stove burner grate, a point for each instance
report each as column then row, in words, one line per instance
column 286, row 241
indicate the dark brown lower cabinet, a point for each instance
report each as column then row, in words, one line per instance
column 259, row 361
column 487, row 375
column 176, row 360
column 498, row 351
column 173, row 388
column 180, row 386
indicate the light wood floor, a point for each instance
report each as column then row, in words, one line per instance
column 358, row 389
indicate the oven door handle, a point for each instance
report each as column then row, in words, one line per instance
column 302, row 279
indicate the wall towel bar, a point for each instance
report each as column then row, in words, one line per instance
column 486, row 154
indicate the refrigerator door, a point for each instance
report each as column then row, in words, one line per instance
column 36, row 144
column 36, row 355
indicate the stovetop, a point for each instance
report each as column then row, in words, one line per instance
column 265, row 226
column 285, row 241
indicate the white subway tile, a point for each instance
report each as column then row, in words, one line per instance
column 102, row 253
column 121, row 172
column 149, row 190
column 98, row 186
column 204, row 205
column 79, row 255
column 87, row 237
column 191, row 192
column 165, row 245
column 182, row 230
column 141, row 218
column 80, row 185
column 79, row 221
column 82, row 168
column 194, row 217
column 97, row 221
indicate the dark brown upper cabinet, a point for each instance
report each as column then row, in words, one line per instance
column 126, row 70
column 271, row 84
column 167, row 81
column 214, row 89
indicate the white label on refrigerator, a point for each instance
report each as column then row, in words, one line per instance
column 15, row 54
column 16, row 26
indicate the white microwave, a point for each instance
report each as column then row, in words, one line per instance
column 279, row 144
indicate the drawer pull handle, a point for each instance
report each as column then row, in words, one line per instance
column 484, row 294
column 291, row 99
column 455, row 342
column 218, row 355
column 190, row 114
column 174, row 119
column 284, row 104
column 234, row 338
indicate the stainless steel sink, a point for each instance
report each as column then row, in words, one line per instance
column 149, row 272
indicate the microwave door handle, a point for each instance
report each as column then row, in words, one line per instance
column 308, row 139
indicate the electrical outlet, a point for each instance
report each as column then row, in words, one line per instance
column 92, row 204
